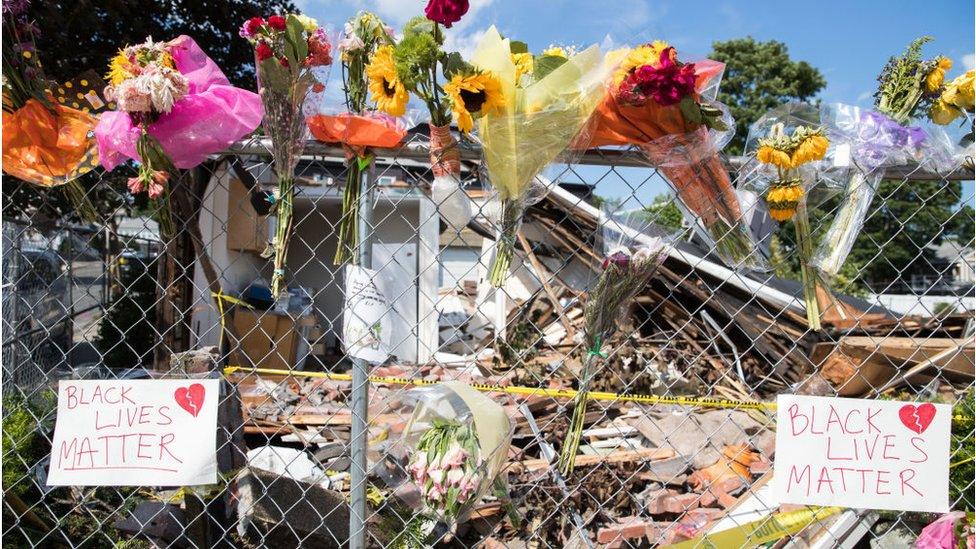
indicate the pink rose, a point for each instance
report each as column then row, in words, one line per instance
column 454, row 457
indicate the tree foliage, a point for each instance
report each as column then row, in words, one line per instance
column 758, row 77
column 77, row 35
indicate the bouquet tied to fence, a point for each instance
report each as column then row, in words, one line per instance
column 789, row 145
column 359, row 125
column 630, row 260
column 174, row 107
column 289, row 51
column 909, row 89
column 46, row 141
column 454, row 446
column 666, row 107
column 538, row 114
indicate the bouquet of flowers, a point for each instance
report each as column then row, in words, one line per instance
column 289, row 50
column 45, row 142
column 881, row 138
column 788, row 143
column 359, row 126
column 538, row 113
column 631, row 259
column 456, row 444
column 415, row 62
column 174, row 107
column 666, row 107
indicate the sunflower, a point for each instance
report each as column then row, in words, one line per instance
column 648, row 54
column 812, row 147
column 783, row 198
column 768, row 154
column 524, row 64
column 119, row 69
column 385, row 86
column 555, row 51
column 474, row 94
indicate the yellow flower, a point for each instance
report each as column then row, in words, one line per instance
column 648, row 54
column 524, row 64
column 308, row 23
column 474, row 94
column 769, row 155
column 814, row 147
column 959, row 92
column 783, row 197
column 556, row 51
column 943, row 112
column 118, row 69
column 935, row 78
column 385, row 87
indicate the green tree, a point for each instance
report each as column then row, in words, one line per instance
column 760, row 76
column 663, row 211
column 79, row 35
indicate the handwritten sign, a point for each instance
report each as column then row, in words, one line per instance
column 365, row 319
column 863, row 454
column 158, row 432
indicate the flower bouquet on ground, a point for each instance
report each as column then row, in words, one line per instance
column 631, row 259
column 174, row 108
column 359, row 126
column 45, row 142
column 666, row 107
column 875, row 140
column 289, row 50
column 454, row 447
column 538, row 114
column 788, row 143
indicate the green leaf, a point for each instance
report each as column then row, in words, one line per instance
column 545, row 64
column 273, row 75
column 690, row 110
column 296, row 46
column 453, row 63
column 517, row 46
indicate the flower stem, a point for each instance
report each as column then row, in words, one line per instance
column 285, row 206
column 349, row 222
column 807, row 273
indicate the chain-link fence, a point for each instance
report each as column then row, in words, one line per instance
column 111, row 300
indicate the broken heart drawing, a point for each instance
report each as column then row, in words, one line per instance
column 917, row 418
column 191, row 398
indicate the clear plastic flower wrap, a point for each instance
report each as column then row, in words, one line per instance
column 633, row 249
column 452, row 451
column 666, row 107
column 867, row 142
column 539, row 119
column 788, row 156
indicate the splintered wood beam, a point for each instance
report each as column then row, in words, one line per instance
column 544, row 279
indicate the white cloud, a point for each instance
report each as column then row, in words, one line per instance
column 969, row 61
column 864, row 96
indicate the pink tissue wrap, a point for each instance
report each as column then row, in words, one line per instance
column 207, row 120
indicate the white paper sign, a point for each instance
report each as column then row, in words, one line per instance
column 152, row 432
column 365, row 324
column 862, row 454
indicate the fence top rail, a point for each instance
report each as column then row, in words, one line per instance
column 419, row 149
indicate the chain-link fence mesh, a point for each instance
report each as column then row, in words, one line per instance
column 111, row 300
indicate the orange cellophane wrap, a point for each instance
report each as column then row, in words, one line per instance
column 445, row 158
column 357, row 131
column 48, row 148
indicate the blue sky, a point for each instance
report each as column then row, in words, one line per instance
column 848, row 41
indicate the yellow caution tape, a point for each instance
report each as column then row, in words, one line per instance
column 760, row 532
column 220, row 297
column 703, row 402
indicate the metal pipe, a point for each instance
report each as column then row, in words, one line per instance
column 360, row 386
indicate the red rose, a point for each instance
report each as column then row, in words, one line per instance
column 263, row 51
column 446, row 12
column 251, row 27
column 277, row 22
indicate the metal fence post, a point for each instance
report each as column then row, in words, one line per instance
column 360, row 387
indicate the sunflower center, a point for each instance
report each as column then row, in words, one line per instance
column 473, row 101
column 389, row 88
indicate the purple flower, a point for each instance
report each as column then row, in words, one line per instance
column 446, row 12
column 619, row 259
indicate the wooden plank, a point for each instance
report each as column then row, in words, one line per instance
column 585, row 460
column 904, row 351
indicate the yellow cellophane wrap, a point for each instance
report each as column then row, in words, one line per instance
column 539, row 120
column 48, row 148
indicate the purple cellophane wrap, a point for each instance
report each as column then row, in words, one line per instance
column 207, row 120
